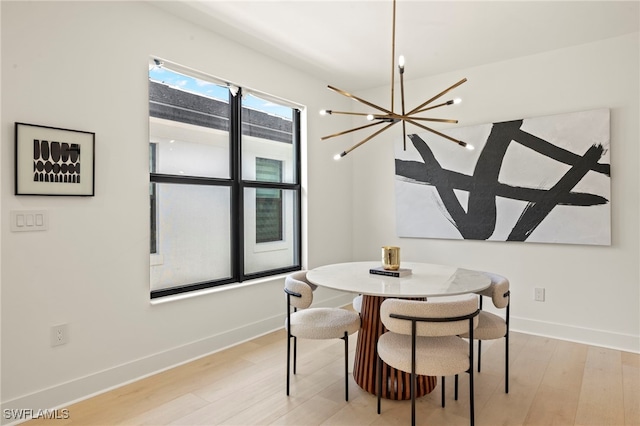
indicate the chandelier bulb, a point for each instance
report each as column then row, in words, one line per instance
column 339, row 156
column 457, row 100
column 466, row 145
column 370, row 117
column 325, row 112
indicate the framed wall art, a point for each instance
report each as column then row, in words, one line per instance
column 541, row 179
column 53, row 161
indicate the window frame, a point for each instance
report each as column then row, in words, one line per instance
column 237, row 187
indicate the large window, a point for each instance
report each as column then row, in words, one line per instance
column 224, row 182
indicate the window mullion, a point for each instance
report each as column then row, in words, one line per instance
column 298, row 172
column 237, row 199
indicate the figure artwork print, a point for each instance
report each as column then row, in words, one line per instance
column 53, row 161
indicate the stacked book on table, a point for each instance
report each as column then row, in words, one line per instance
column 402, row 272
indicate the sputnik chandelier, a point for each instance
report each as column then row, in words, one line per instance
column 389, row 116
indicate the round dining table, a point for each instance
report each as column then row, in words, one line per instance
column 420, row 281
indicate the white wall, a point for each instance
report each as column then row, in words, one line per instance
column 592, row 292
column 84, row 65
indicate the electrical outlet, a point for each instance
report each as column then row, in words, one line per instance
column 59, row 335
column 539, row 294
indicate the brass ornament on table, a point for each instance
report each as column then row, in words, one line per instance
column 391, row 258
column 389, row 116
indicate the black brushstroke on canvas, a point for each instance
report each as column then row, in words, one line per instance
column 479, row 221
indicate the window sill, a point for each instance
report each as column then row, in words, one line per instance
column 156, row 259
column 218, row 289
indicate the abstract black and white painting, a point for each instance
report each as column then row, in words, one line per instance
column 544, row 179
column 54, row 161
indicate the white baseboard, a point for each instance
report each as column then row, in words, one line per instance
column 81, row 388
column 588, row 336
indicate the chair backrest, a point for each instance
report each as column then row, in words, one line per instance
column 302, row 276
column 435, row 317
column 297, row 283
column 498, row 291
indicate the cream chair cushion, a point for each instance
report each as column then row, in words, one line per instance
column 496, row 290
column 302, row 276
column 438, row 356
column 433, row 308
column 301, row 287
column 490, row 326
column 324, row 323
column 357, row 303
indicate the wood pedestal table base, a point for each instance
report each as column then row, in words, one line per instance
column 395, row 384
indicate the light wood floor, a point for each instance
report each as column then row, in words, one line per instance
column 553, row 382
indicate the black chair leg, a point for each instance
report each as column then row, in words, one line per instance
column 295, row 353
column 470, row 371
column 471, row 397
column 506, row 364
column 346, row 366
column 455, row 393
column 442, row 391
column 379, row 382
column 479, row 353
column 288, row 361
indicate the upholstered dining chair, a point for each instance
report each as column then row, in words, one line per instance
column 357, row 303
column 492, row 326
column 423, row 339
column 315, row 323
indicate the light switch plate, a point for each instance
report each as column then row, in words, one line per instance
column 29, row 220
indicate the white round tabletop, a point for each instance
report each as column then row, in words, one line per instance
column 425, row 280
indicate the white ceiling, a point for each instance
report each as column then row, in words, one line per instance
column 347, row 43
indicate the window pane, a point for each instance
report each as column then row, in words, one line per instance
column 268, row 215
column 268, row 170
column 267, row 132
column 268, row 201
column 189, row 121
column 278, row 253
column 193, row 235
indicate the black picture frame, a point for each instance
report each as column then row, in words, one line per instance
column 54, row 161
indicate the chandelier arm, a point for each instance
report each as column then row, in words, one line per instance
column 387, row 117
column 459, row 142
column 351, row 130
column 404, row 127
column 363, row 114
column 437, row 120
column 434, row 107
column 404, row 135
column 413, row 111
column 368, row 138
column 393, row 53
column 349, row 95
column 410, row 117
